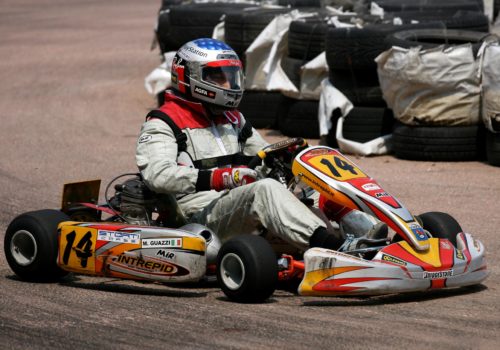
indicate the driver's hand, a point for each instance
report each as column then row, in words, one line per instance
column 228, row 178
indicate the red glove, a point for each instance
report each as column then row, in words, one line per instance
column 228, row 178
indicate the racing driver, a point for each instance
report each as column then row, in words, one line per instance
column 196, row 146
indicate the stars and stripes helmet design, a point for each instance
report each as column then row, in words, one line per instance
column 209, row 70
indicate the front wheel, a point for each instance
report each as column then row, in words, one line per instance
column 31, row 245
column 247, row 269
column 441, row 225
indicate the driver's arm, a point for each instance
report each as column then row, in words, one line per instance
column 156, row 157
column 254, row 143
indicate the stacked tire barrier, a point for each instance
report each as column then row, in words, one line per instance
column 241, row 29
column 299, row 117
column 454, row 133
column 350, row 43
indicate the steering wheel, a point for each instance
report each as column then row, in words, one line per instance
column 276, row 148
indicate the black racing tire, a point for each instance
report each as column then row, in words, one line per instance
column 493, row 148
column 243, row 27
column 300, row 3
column 31, row 246
column 364, row 124
column 299, row 118
column 306, row 38
column 357, row 48
column 360, row 86
column 440, row 225
column 165, row 4
column 193, row 21
column 438, row 143
column 426, row 5
column 83, row 214
column 261, row 108
column 163, row 35
column 463, row 20
column 247, row 269
column 291, row 66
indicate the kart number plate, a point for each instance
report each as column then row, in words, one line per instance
column 332, row 164
column 77, row 248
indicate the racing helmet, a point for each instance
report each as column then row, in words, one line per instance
column 210, row 71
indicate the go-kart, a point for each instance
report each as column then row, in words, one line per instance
column 145, row 236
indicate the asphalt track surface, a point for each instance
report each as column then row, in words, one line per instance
column 72, row 99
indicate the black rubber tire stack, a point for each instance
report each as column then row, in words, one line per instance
column 429, row 38
column 439, row 143
column 261, row 108
column 493, row 148
column 351, row 51
column 243, row 27
column 298, row 118
column 431, row 142
column 431, row 6
column 182, row 23
column 350, row 54
column 306, row 39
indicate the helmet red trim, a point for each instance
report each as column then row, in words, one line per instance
column 225, row 63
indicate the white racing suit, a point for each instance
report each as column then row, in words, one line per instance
column 265, row 204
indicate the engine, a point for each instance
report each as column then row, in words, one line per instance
column 134, row 201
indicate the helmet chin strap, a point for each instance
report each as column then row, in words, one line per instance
column 215, row 110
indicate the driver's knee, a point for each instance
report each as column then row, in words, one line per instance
column 270, row 188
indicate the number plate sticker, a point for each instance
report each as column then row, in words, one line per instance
column 77, row 248
column 333, row 164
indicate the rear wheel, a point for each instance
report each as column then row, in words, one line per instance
column 247, row 269
column 441, row 225
column 31, row 245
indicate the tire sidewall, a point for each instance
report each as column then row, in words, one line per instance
column 44, row 266
column 259, row 262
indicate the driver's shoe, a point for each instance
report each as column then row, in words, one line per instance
column 360, row 224
column 353, row 243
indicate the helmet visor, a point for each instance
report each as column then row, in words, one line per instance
column 228, row 77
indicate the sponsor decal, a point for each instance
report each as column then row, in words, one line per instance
column 418, row 231
column 195, row 51
column 460, row 255
column 145, row 138
column 394, row 260
column 320, row 185
column 162, row 242
column 201, row 91
column 237, row 176
column 165, row 254
column 438, row 274
column 118, row 237
column 145, row 265
column 445, row 244
column 371, row 187
column 381, row 194
column 315, row 152
column 176, row 64
column 476, row 244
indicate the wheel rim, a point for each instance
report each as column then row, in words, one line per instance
column 232, row 271
column 23, row 247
